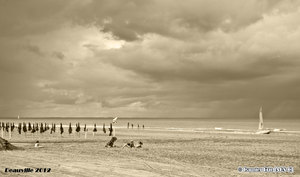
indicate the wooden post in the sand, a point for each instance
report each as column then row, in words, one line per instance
column 78, row 129
column 61, row 129
column 33, row 129
column 2, row 130
column 20, row 128
column 70, row 129
column 104, row 129
column 85, row 131
column 24, row 128
column 51, row 129
column 29, row 127
column 95, row 130
column 9, row 131
column 110, row 129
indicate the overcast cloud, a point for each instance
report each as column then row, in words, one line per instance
column 154, row 58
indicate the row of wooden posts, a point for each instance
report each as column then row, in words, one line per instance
column 138, row 126
column 34, row 127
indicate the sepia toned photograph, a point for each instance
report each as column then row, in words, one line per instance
column 150, row 88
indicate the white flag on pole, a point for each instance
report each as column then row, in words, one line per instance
column 115, row 120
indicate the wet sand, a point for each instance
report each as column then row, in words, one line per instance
column 165, row 153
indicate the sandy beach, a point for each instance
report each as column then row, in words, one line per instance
column 165, row 153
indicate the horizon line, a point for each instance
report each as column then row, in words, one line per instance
column 137, row 117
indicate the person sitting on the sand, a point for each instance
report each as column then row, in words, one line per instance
column 140, row 145
column 111, row 142
column 131, row 144
column 37, row 144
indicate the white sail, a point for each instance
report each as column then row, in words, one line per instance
column 261, row 129
column 261, row 123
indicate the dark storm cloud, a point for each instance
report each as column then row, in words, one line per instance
column 130, row 19
column 19, row 18
column 22, row 67
column 149, row 58
column 65, row 100
column 34, row 49
column 58, row 55
column 203, row 66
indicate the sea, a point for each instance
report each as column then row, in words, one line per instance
column 165, row 123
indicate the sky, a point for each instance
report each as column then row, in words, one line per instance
column 154, row 58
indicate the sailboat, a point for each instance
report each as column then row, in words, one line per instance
column 261, row 124
column 18, row 116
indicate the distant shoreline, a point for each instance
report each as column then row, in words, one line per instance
column 94, row 117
